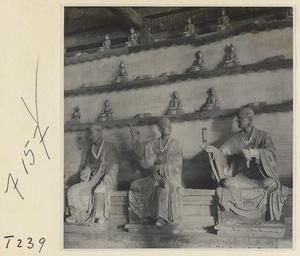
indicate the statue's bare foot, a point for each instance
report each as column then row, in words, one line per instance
column 71, row 219
column 160, row 222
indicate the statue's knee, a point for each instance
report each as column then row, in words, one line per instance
column 228, row 182
column 100, row 188
column 163, row 184
column 133, row 186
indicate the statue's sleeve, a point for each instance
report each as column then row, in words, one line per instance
column 145, row 152
column 112, row 166
column 88, row 160
column 218, row 162
column 173, row 165
column 137, row 146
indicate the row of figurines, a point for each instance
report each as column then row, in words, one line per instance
column 231, row 60
column 189, row 30
column 175, row 107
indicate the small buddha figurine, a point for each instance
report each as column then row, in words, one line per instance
column 199, row 63
column 231, row 58
column 175, row 105
column 132, row 39
column 121, row 74
column 223, row 21
column 106, row 43
column 212, row 102
column 189, row 29
column 106, row 112
column 75, row 118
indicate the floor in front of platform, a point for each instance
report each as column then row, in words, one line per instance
column 76, row 237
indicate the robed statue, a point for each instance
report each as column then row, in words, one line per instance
column 87, row 200
column 245, row 168
column 158, row 197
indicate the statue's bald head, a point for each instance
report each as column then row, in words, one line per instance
column 164, row 126
column 245, row 118
column 163, row 120
column 96, row 127
column 248, row 112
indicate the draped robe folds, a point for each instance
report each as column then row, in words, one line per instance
column 104, row 167
column 159, row 194
column 229, row 165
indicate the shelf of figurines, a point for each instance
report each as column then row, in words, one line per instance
column 231, row 66
column 175, row 116
column 188, row 37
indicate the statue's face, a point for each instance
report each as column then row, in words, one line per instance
column 176, row 94
column 242, row 120
column 106, row 103
column 95, row 134
column 231, row 48
column 165, row 128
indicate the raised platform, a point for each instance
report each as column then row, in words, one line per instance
column 231, row 224
column 197, row 231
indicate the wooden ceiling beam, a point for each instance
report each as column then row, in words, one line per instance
column 128, row 15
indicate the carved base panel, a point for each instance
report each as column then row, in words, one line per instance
column 150, row 228
column 230, row 224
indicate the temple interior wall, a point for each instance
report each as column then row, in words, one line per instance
column 250, row 48
column 233, row 92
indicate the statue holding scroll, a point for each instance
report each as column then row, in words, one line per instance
column 158, row 197
column 86, row 200
column 245, row 168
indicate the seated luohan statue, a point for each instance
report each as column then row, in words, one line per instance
column 223, row 21
column 133, row 38
column 212, row 102
column 175, row 105
column 105, row 44
column 158, row 197
column 245, row 167
column 86, row 200
column 231, row 58
column 189, row 29
column 75, row 119
column 199, row 63
column 121, row 74
column 106, row 112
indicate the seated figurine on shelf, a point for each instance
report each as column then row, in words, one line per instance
column 189, row 29
column 106, row 113
column 175, row 105
column 231, row 58
column 121, row 74
column 199, row 63
column 133, row 38
column 223, row 22
column 75, row 119
column 106, row 44
column 212, row 102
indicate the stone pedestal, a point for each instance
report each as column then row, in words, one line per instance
column 230, row 224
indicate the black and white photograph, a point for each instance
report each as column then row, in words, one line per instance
column 178, row 127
